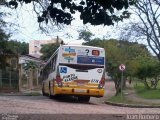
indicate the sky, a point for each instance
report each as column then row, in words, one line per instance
column 28, row 28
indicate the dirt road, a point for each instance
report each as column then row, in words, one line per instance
column 44, row 105
column 43, row 108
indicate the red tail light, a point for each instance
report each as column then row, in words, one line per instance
column 59, row 81
column 58, row 78
column 102, row 82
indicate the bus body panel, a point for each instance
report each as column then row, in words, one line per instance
column 80, row 68
column 81, row 55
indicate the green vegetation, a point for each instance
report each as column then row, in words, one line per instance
column 147, row 93
column 48, row 49
column 95, row 12
column 85, row 35
column 120, row 98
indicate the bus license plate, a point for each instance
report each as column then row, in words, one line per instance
column 80, row 90
column 80, row 84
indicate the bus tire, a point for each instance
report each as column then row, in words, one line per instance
column 84, row 99
column 50, row 95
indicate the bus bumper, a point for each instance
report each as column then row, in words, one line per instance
column 79, row 91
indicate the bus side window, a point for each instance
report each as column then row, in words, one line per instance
column 50, row 67
column 54, row 63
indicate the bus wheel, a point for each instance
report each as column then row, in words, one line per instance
column 50, row 95
column 84, row 98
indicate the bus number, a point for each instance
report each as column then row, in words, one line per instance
column 94, row 81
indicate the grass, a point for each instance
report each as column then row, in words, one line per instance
column 147, row 93
column 150, row 94
column 120, row 98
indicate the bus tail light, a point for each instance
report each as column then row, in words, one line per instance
column 102, row 82
column 59, row 80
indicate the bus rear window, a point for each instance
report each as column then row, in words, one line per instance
column 82, row 67
column 95, row 52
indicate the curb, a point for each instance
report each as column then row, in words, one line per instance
column 131, row 105
column 19, row 94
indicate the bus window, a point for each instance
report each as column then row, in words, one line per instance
column 82, row 67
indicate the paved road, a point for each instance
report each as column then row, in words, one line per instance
column 44, row 105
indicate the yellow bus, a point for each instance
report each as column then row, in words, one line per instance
column 75, row 70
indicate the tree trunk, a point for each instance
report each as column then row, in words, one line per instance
column 146, row 84
column 156, row 83
column 117, row 86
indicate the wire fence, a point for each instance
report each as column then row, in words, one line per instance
column 8, row 80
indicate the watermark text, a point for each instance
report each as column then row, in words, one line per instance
column 143, row 117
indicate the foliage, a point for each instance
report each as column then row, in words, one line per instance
column 146, row 69
column 47, row 50
column 3, row 38
column 3, row 43
column 95, row 42
column 85, row 35
column 13, row 47
column 95, row 12
column 30, row 65
column 21, row 48
column 149, row 69
column 9, row 47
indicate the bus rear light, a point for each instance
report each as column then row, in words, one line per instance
column 101, row 83
column 59, row 81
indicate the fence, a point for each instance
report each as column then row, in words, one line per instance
column 9, row 80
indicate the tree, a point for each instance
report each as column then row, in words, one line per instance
column 3, row 43
column 148, row 28
column 95, row 42
column 86, row 35
column 47, row 50
column 20, row 48
column 96, row 12
column 148, row 70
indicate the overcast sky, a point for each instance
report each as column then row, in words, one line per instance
column 28, row 28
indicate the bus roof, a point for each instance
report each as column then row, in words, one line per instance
column 82, row 46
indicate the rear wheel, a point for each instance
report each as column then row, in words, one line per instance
column 50, row 95
column 84, row 98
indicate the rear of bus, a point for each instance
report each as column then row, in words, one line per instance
column 81, row 71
